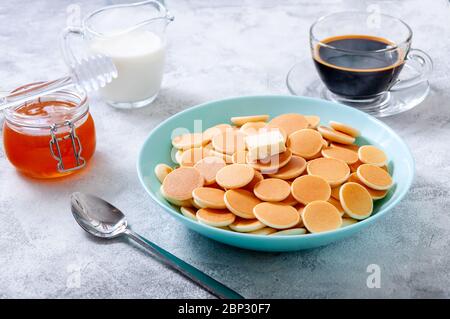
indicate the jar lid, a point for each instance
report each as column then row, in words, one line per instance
column 51, row 110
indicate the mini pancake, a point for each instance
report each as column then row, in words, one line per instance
column 272, row 190
column 308, row 188
column 263, row 231
column 272, row 164
column 356, row 200
column 208, row 197
column 335, row 192
column 189, row 140
column 241, row 202
column 241, row 120
column 340, row 153
column 289, row 232
column 188, row 212
column 321, row 216
column 376, row 194
column 305, row 143
column 276, row 215
column 354, row 166
column 191, row 156
column 348, row 221
column 251, row 128
column 227, row 158
column 176, row 202
column 344, row 128
column 337, row 204
column 180, row 183
column 161, row 171
column 217, row 129
column 246, row 225
column 229, row 142
column 235, row 176
column 208, row 168
column 290, row 122
column 351, row 147
column 369, row 154
column 239, row 157
column 335, row 136
column 215, row 217
column 257, row 178
column 375, row 177
column 313, row 120
column 334, row 171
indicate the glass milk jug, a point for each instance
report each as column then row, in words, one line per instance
column 133, row 36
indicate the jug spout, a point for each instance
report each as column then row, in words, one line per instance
column 122, row 18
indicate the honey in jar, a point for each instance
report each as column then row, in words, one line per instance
column 51, row 136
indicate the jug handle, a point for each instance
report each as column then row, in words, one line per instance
column 66, row 48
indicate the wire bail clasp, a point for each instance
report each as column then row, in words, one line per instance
column 76, row 146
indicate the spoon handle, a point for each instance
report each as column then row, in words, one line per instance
column 200, row 278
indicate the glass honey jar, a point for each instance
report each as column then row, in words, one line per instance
column 50, row 136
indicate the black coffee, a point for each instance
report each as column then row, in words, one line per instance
column 351, row 68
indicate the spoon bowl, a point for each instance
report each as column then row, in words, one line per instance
column 97, row 216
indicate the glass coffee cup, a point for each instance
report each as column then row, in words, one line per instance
column 359, row 57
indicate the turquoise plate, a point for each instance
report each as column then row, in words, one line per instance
column 157, row 149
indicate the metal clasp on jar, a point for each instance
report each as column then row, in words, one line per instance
column 76, row 146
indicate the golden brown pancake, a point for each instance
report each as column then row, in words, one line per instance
column 215, row 217
column 246, row 225
column 369, row 154
column 241, row 120
column 334, row 171
column 305, row 143
column 161, row 171
column 276, row 215
column 335, row 136
column 375, row 177
column 241, row 202
column 235, row 176
column 344, row 128
column 321, row 216
column 208, row 197
column 289, row 123
column 180, row 183
column 340, row 153
column 356, row 200
column 307, row 189
column 272, row 190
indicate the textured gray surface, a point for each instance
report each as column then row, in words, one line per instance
column 217, row 49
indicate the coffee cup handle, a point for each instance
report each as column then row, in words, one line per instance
column 66, row 48
column 419, row 61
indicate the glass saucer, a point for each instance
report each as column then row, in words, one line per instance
column 302, row 79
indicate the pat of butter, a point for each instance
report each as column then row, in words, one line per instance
column 265, row 144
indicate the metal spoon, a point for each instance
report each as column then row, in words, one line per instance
column 103, row 220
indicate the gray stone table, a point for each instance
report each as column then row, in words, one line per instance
column 217, row 49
